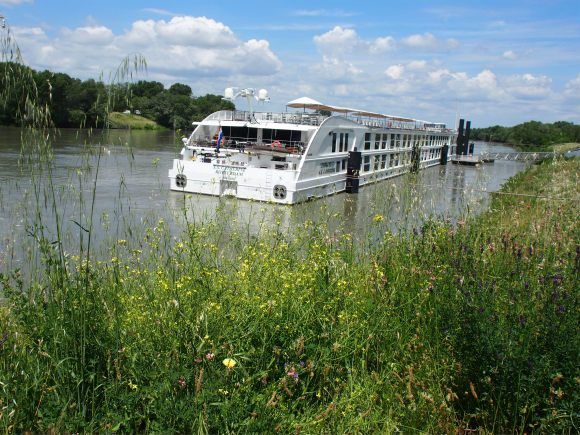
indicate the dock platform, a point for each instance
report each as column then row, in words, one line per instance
column 466, row 160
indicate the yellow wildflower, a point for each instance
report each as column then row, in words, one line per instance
column 229, row 363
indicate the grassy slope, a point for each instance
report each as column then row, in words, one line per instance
column 130, row 120
column 467, row 327
column 562, row 147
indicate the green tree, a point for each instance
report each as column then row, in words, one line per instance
column 180, row 89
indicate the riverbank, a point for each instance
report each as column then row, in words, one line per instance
column 558, row 148
column 130, row 120
column 443, row 328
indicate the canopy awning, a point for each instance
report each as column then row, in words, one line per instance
column 307, row 103
column 311, row 104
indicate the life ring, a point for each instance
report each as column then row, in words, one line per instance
column 276, row 144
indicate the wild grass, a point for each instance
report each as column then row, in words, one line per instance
column 563, row 147
column 124, row 120
column 439, row 328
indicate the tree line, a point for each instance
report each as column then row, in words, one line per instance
column 531, row 134
column 85, row 103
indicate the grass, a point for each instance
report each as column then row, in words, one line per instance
column 130, row 120
column 563, row 147
column 559, row 148
column 438, row 330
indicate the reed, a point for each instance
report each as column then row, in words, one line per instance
column 435, row 328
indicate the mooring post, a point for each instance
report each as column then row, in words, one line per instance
column 444, row 152
column 353, row 171
column 466, row 137
column 459, row 142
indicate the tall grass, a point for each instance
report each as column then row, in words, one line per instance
column 438, row 328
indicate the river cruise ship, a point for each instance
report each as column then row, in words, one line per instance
column 292, row 157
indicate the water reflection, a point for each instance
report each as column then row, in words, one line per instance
column 132, row 194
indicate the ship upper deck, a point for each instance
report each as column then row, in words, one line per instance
column 309, row 121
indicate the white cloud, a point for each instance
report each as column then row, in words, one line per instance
column 337, row 40
column 334, row 69
column 197, row 46
column 438, row 75
column 509, row 55
column 28, row 33
column 324, row 13
column 142, row 34
column 429, row 41
column 90, row 35
column 395, row 72
column 573, row 87
column 195, row 32
column 160, row 12
column 14, row 2
column 382, row 44
column 417, row 64
column 528, row 86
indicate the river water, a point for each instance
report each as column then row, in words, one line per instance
column 131, row 194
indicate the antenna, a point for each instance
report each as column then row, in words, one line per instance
column 230, row 94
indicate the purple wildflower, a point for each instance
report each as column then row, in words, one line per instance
column 292, row 373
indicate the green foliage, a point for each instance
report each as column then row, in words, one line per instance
column 445, row 329
column 76, row 103
column 531, row 135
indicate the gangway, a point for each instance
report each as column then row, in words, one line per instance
column 519, row 156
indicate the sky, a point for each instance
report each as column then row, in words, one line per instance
column 493, row 62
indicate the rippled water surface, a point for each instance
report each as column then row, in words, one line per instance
column 131, row 193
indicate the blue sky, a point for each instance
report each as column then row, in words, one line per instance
column 495, row 62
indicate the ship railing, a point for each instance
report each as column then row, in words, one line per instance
column 287, row 146
column 299, row 118
column 284, row 117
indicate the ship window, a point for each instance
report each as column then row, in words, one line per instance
column 384, row 141
column 333, row 142
column 340, row 148
column 397, row 159
column 326, row 168
column 398, row 142
column 345, row 142
column 338, row 166
column 367, row 164
column 367, row 141
column 383, row 161
column 392, row 141
column 377, row 162
column 344, row 163
column 377, row 141
column 391, row 160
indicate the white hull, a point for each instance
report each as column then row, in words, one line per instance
column 293, row 173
